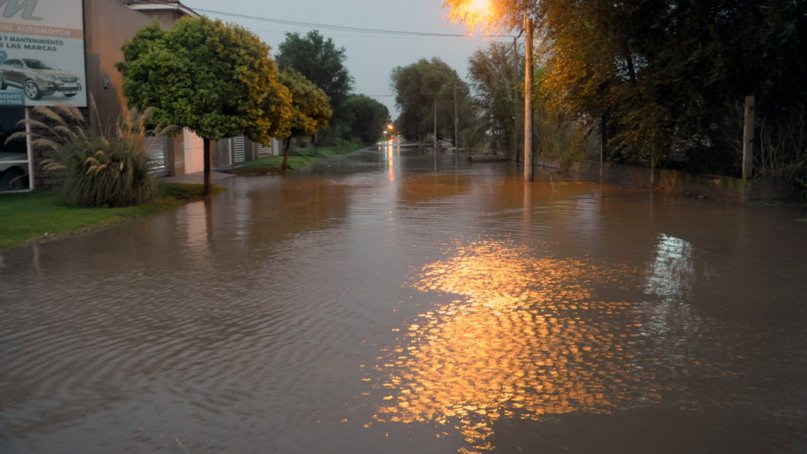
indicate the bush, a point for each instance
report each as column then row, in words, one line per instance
column 560, row 138
column 96, row 169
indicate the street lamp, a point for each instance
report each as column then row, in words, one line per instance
column 474, row 12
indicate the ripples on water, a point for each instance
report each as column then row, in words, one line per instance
column 403, row 310
column 527, row 336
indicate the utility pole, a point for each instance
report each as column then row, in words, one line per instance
column 528, row 164
column 515, row 100
column 434, row 138
column 456, row 124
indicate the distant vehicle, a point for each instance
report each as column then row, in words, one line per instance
column 37, row 78
column 13, row 176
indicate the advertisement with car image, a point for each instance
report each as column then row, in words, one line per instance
column 41, row 64
column 42, row 53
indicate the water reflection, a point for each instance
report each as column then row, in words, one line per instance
column 526, row 336
column 391, row 152
column 198, row 230
column 671, row 273
column 669, row 318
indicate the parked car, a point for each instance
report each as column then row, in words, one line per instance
column 37, row 79
column 13, row 173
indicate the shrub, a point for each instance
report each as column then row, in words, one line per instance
column 96, row 169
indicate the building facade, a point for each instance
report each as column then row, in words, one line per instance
column 65, row 52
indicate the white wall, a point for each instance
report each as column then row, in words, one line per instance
column 194, row 148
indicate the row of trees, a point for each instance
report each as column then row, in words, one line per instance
column 220, row 81
column 355, row 116
column 428, row 91
column 657, row 78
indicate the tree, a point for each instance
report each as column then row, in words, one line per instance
column 309, row 106
column 665, row 76
column 422, row 85
column 495, row 78
column 216, row 79
column 320, row 61
column 366, row 118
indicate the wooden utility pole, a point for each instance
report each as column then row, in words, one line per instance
column 434, row 143
column 515, row 100
column 528, row 164
column 456, row 125
column 748, row 138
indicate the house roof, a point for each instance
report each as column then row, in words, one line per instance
column 160, row 5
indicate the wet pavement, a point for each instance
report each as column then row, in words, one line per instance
column 378, row 305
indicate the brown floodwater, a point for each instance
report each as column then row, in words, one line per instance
column 389, row 302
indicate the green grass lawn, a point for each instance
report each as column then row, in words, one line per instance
column 299, row 158
column 33, row 216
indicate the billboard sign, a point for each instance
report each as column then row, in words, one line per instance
column 42, row 53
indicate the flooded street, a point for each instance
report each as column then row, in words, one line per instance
column 377, row 305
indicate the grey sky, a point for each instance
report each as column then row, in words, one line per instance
column 370, row 57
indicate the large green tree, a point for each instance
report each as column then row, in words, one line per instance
column 216, row 79
column 320, row 61
column 365, row 117
column 421, row 86
column 310, row 109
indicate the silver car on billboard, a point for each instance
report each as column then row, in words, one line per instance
column 37, row 79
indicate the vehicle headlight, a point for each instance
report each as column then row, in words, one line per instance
column 50, row 77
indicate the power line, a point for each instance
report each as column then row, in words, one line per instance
column 375, row 31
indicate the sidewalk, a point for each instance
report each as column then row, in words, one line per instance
column 197, row 177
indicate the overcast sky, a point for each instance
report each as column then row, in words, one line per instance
column 370, row 56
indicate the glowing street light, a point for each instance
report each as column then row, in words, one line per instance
column 473, row 13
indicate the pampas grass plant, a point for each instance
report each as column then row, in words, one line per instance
column 96, row 168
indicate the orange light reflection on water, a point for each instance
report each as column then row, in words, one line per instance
column 524, row 338
column 392, row 149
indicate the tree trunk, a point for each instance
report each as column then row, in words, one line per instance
column 206, row 145
column 286, row 146
column 603, row 140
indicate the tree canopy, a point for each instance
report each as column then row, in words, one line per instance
column 310, row 108
column 665, row 77
column 418, row 87
column 496, row 79
column 365, row 117
column 214, row 78
column 320, row 61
